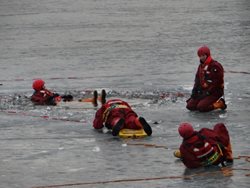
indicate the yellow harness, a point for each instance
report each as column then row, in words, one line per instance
column 212, row 159
column 108, row 110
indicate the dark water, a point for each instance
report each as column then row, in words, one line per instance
column 144, row 50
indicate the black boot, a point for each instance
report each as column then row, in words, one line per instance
column 224, row 106
column 67, row 98
column 118, row 126
column 145, row 126
column 103, row 97
column 94, row 102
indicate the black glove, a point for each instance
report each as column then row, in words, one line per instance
column 51, row 100
column 67, row 98
column 56, row 95
column 197, row 92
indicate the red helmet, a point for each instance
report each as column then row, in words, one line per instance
column 185, row 130
column 38, row 84
column 204, row 50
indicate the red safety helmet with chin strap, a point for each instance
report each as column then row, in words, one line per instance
column 185, row 130
column 204, row 50
column 38, row 85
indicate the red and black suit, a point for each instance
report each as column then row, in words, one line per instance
column 208, row 86
column 45, row 97
column 207, row 147
column 112, row 111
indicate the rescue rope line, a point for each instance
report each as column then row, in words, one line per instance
column 225, row 171
column 238, row 72
column 112, row 181
column 247, row 158
column 149, row 145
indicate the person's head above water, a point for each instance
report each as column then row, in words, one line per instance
column 185, row 130
column 38, row 85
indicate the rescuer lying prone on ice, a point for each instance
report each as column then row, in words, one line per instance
column 117, row 114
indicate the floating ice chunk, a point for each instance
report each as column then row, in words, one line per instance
column 105, row 130
column 96, row 149
column 187, row 87
column 75, row 169
column 223, row 115
column 124, row 145
column 197, row 126
column 70, row 114
column 42, row 152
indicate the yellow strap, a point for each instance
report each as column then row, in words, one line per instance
column 211, row 160
column 108, row 110
column 221, row 153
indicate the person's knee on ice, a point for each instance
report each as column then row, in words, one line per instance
column 191, row 107
column 206, row 104
column 191, row 104
column 204, row 108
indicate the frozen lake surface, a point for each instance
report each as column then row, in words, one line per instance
column 138, row 50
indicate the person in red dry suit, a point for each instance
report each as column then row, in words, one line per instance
column 205, row 147
column 208, row 88
column 117, row 114
column 43, row 96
